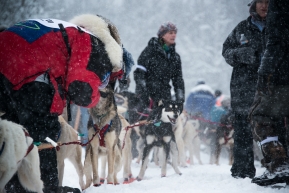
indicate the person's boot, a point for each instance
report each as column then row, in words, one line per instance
column 277, row 170
column 61, row 189
column 66, row 189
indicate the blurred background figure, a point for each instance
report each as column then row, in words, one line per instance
column 200, row 100
column 198, row 105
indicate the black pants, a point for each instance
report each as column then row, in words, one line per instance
column 272, row 109
column 243, row 165
column 30, row 107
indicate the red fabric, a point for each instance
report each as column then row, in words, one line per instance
column 21, row 62
column 116, row 75
column 219, row 101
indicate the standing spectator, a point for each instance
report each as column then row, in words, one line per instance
column 271, row 99
column 200, row 100
column 43, row 62
column 243, row 50
column 216, row 113
column 158, row 64
column 219, row 97
column 199, row 104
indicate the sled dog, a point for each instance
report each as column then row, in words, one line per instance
column 191, row 139
column 186, row 135
column 126, row 145
column 18, row 155
column 72, row 152
column 224, row 137
column 160, row 133
column 104, row 127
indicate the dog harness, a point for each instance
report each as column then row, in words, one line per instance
column 29, row 148
column 102, row 132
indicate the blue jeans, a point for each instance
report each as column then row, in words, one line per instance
column 84, row 116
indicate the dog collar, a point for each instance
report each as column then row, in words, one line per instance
column 157, row 124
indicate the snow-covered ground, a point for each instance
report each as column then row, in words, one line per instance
column 197, row 178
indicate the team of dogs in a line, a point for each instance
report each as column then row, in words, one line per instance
column 166, row 130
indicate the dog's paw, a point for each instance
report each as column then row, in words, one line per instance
column 180, row 174
column 128, row 180
column 163, row 175
column 101, row 180
column 125, row 181
column 96, row 185
column 138, row 179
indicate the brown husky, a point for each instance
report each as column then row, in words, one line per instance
column 71, row 152
column 105, row 144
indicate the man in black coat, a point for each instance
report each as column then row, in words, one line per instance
column 243, row 50
column 159, row 64
column 271, row 100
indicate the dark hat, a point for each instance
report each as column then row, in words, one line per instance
column 249, row 4
column 218, row 93
column 252, row 6
column 166, row 27
column 252, row 10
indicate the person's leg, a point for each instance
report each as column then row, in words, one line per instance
column 73, row 110
column 83, row 124
column 243, row 165
column 267, row 114
column 6, row 104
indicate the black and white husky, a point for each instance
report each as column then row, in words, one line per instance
column 160, row 133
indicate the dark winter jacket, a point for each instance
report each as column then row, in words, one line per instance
column 155, row 70
column 245, row 60
column 276, row 56
column 35, row 49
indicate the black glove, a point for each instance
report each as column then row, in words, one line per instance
column 180, row 95
column 247, row 55
column 263, row 84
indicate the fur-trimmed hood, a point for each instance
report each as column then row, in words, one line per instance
column 106, row 32
column 202, row 87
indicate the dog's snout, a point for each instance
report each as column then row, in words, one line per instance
column 175, row 116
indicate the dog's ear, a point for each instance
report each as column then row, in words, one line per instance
column 1, row 113
column 160, row 103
